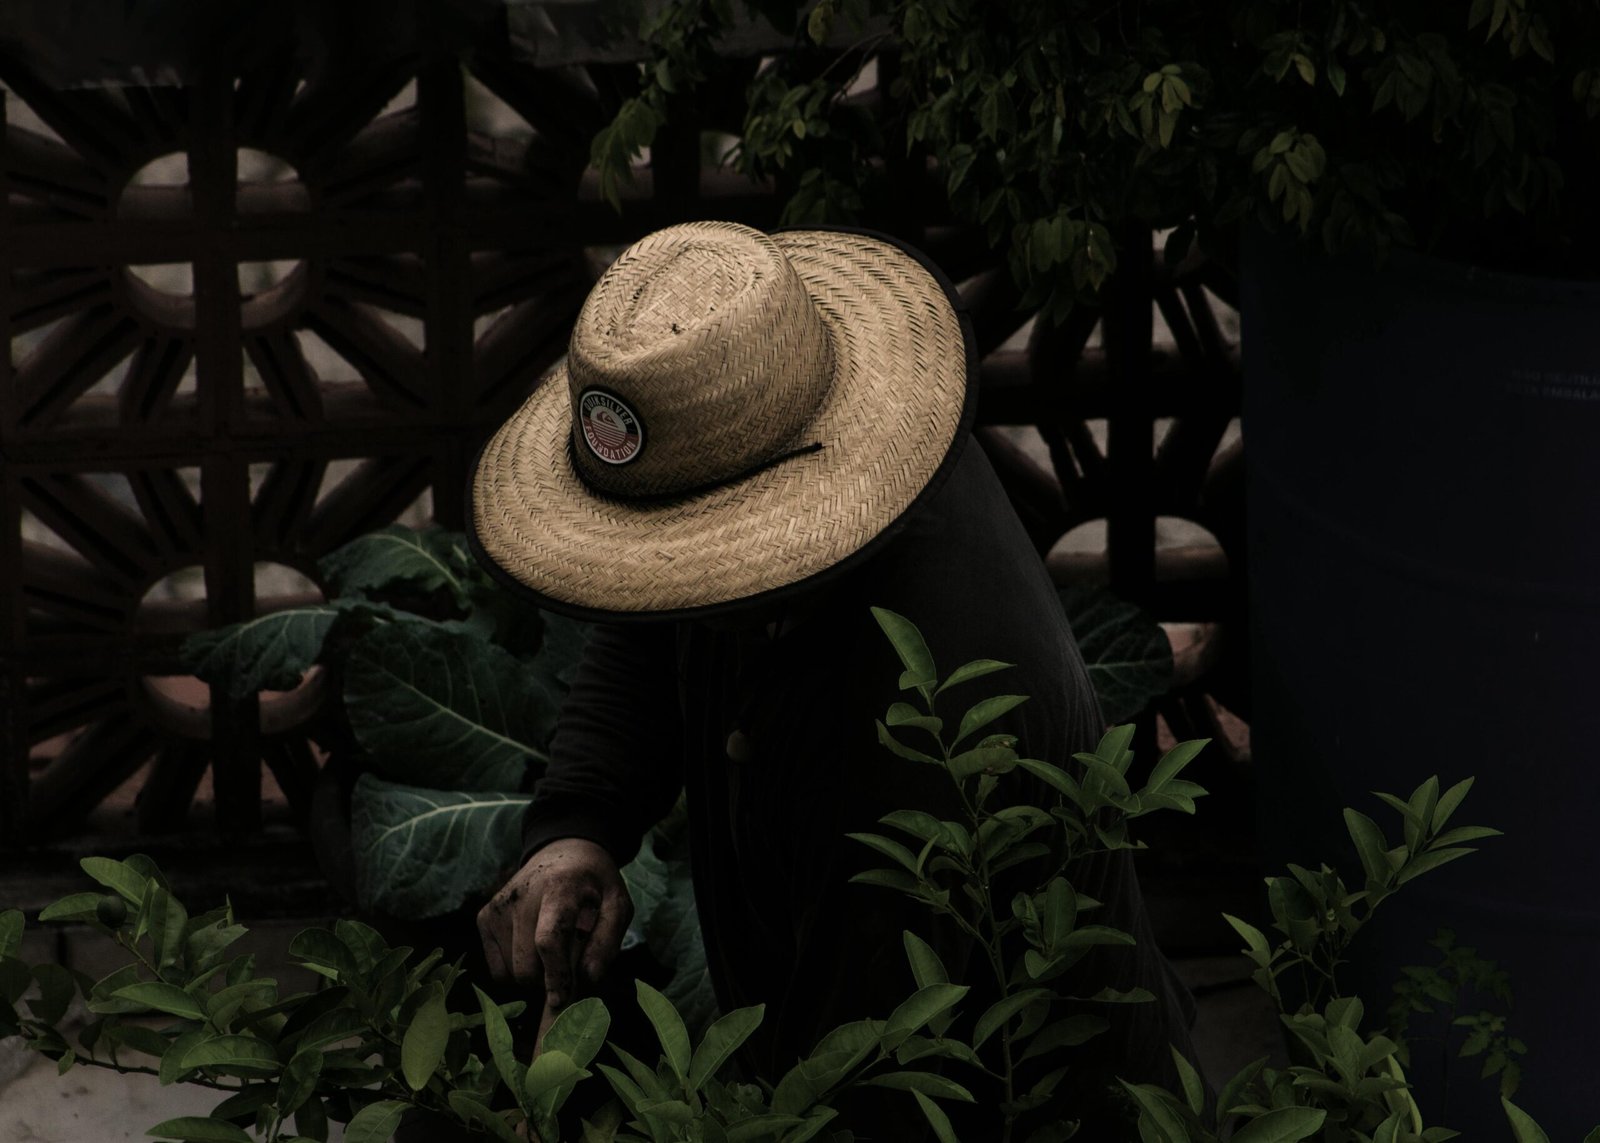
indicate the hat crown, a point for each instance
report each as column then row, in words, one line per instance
column 698, row 357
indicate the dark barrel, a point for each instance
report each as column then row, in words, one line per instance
column 1424, row 516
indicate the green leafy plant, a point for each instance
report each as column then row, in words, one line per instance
column 1347, row 1077
column 1462, row 975
column 1053, row 124
column 447, row 689
column 382, row 1036
column 446, row 694
column 1031, row 940
column 379, row 1038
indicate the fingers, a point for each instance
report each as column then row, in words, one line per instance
column 547, row 1019
column 559, row 945
column 563, row 913
column 611, row 923
column 489, row 934
column 527, row 961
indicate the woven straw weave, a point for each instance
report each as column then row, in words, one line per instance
column 734, row 349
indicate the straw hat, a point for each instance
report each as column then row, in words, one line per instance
column 737, row 415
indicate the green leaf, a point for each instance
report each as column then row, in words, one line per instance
column 1119, row 996
column 1174, row 760
column 165, row 919
column 550, row 1072
column 579, row 1031
column 929, row 1083
column 891, row 849
column 1232, row 1091
column 670, row 1029
column 926, row 967
column 12, row 922
column 973, row 670
column 1463, row 834
column 226, row 1004
column 425, row 560
column 671, row 1110
column 118, row 876
column 163, row 998
column 904, row 714
column 1127, row 653
column 501, row 1047
column 72, row 907
column 441, row 708
column 1068, row 1033
column 888, row 879
column 936, row 1118
column 922, row 1006
column 472, row 1109
column 820, row 23
column 1254, row 938
column 1003, row 1010
column 896, row 747
column 918, row 823
column 1052, row 775
column 172, row 1067
column 981, row 759
column 321, row 948
column 661, row 884
column 631, row 1094
column 1157, row 1107
column 1370, row 845
column 909, row 646
column 1449, row 802
column 1429, row 861
column 375, row 1123
column 985, row 712
column 1059, row 912
column 422, row 1048
column 299, row 1081
column 1114, row 748
column 231, row 1053
column 421, row 852
column 197, row 1129
column 721, row 1041
column 141, row 1039
column 206, row 943
column 272, row 652
column 852, row 1042
column 1194, row 1088
column 1285, row 1125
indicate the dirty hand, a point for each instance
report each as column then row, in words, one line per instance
column 562, row 913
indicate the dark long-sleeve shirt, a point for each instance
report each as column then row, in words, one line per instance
column 771, row 736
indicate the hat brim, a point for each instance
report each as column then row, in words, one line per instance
column 890, row 428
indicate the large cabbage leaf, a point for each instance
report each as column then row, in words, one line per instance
column 421, row 559
column 272, row 652
column 421, row 853
column 1128, row 654
column 665, row 920
column 444, row 708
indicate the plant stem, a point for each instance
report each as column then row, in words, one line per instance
column 133, row 947
column 125, row 1069
column 991, row 943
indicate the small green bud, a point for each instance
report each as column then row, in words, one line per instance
column 112, row 911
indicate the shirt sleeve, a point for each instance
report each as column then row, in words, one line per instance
column 616, row 756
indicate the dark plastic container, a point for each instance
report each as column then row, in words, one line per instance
column 1424, row 518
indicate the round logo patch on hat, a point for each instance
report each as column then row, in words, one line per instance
column 612, row 431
